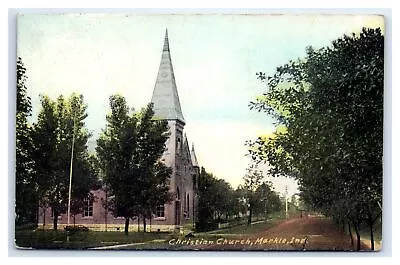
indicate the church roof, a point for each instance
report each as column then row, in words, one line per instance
column 193, row 157
column 165, row 94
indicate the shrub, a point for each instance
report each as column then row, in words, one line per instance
column 30, row 226
column 76, row 228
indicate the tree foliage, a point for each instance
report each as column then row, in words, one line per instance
column 129, row 151
column 252, row 182
column 330, row 106
column 258, row 194
column 266, row 200
column 59, row 124
column 217, row 201
column 220, row 203
column 26, row 189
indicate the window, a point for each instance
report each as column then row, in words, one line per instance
column 160, row 211
column 187, row 201
column 88, row 207
column 178, row 195
column 178, row 145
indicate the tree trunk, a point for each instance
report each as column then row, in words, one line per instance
column 106, row 208
column 350, row 234
column 358, row 241
column 37, row 214
column 138, row 224
column 105, row 218
column 144, row 224
column 44, row 217
column 250, row 213
column 358, row 236
column 126, row 225
column 74, row 219
column 55, row 220
column 371, row 229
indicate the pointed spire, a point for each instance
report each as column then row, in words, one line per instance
column 166, row 42
column 165, row 95
column 193, row 157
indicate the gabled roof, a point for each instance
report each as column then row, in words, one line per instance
column 165, row 94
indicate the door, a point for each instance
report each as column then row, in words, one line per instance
column 177, row 212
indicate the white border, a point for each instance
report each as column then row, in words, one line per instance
column 250, row 7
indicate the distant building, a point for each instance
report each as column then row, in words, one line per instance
column 178, row 155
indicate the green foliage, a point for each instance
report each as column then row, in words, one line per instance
column 76, row 228
column 60, row 127
column 129, row 152
column 26, row 189
column 258, row 194
column 332, row 106
column 61, row 239
column 217, row 201
column 266, row 200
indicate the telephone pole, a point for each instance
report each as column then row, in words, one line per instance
column 70, row 172
column 286, row 201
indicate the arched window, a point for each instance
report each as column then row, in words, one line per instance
column 184, row 202
column 178, row 196
column 188, row 203
column 178, row 145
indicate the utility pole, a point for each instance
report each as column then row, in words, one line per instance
column 70, row 171
column 286, row 201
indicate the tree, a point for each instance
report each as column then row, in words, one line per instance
column 153, row 174
column 217, row 201
column 129, row 150
column 237, row 203
column 26, row 190
column 205, row 205
column 266, row 200
column 329, row 112
column 60, row 127
column 252, row 181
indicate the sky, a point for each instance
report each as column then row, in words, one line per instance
column 215, row 60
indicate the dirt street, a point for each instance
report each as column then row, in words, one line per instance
column 309, row 233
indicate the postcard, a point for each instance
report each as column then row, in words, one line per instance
column 256, row 132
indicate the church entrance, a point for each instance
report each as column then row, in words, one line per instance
column 177, row 212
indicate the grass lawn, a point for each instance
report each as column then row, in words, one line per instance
column 49, row 239
column 226, row 233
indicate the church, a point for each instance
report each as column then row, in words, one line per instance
column 182, row 210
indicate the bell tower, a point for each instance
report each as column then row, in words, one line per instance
column 177, row 155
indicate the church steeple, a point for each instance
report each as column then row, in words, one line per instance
column 166, row 42
column 165, row 95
